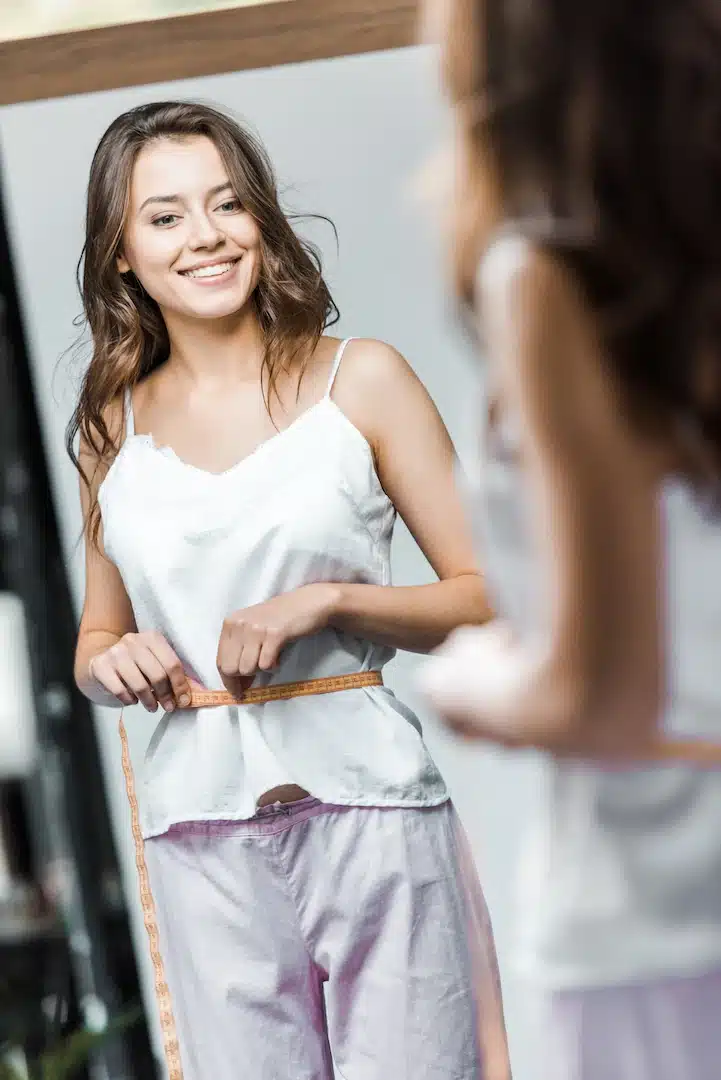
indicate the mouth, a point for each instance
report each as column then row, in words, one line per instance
column 212, row 271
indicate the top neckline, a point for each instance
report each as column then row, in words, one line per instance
column 170, row 454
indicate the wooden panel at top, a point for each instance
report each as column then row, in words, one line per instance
column 204, row 43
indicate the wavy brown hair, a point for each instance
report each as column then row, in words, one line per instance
column 129, row 337
column 594, row 126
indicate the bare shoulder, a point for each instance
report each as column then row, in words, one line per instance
column 518, row 278
column 372, row 367
column 536, row 318
column 381, row 394
column 511, row 262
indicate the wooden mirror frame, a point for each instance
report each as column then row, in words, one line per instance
column 264, row 34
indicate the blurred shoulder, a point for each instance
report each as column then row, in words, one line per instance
column 516, row 273
column 533, row 310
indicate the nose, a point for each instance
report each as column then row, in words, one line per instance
column 204, row 233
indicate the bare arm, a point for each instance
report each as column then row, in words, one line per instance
column 384, row 400
column 415, row 460
column 107, row 614
column 594, row 684
column 114, row 665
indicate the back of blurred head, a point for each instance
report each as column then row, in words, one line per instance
column 593, row 127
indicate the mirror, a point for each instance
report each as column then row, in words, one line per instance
column 347, row 139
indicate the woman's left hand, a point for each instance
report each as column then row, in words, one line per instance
column 253, row 638
column 485, row 685
column 468, row 679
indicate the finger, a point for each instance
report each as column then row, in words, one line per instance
column 133, row 678
column 230, row 647
column 173, row 666
column 236, row 684
column 456, row 716
column 464, row 729
column 433, row 681
column 104, row 674
column 248, row 662
column 270, row 651
column 472, row 731
column 155, row 674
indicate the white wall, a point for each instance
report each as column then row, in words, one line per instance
column 349, row 136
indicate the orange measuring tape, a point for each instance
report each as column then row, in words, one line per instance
column 202, row 699
column 701, row 753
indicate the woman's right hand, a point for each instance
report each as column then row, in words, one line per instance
column 142, row 668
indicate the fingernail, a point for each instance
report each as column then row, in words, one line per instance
column 184, row 701
column 169, row 706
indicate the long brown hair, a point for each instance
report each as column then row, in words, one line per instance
column 129, row 337
column 599, row 124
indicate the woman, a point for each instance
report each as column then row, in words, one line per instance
column 589, row 244
column 240, row 486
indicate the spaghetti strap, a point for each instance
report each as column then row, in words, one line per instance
column 336, row 365
column 129, row 415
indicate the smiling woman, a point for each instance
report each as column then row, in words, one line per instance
column 169, row 239
column 149, row 252
column 241, row 475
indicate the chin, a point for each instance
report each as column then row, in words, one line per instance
column 215, row 307
column 218, row 311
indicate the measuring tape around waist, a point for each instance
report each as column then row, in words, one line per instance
column 200, row 699
column 698, row 752
column 260, row 695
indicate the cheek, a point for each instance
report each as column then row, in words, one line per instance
column 151, row 260
column 248, row 237
column 244, row 232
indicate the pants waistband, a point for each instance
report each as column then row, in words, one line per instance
column 268, row 819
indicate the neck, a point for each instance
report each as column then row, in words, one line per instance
column 214, row 350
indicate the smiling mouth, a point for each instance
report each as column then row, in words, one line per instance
column 218, row 270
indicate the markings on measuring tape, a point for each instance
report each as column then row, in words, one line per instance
column 260, row 695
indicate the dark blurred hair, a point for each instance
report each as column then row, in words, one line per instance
column 129, row 337
column 600, row 121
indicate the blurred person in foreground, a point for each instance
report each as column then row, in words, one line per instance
column 588, row 249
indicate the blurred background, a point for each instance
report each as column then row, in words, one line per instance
column 349, row 136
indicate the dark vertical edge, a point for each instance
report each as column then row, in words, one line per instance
column 67, row 805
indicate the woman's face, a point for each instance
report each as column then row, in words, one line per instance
column 187, row 239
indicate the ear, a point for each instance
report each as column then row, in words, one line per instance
column 122, row 263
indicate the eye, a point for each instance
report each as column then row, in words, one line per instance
column 229, row 206
column 165, row 220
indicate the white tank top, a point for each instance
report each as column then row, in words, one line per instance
column 621, row 874
column 192, row 547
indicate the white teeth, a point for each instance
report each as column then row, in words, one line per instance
column 210, row 271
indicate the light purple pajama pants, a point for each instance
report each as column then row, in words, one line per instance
column 315, row 942
column 669, row 1029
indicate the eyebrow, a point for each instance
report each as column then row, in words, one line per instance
column 176, row 198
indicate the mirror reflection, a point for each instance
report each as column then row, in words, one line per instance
column 288, row 601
